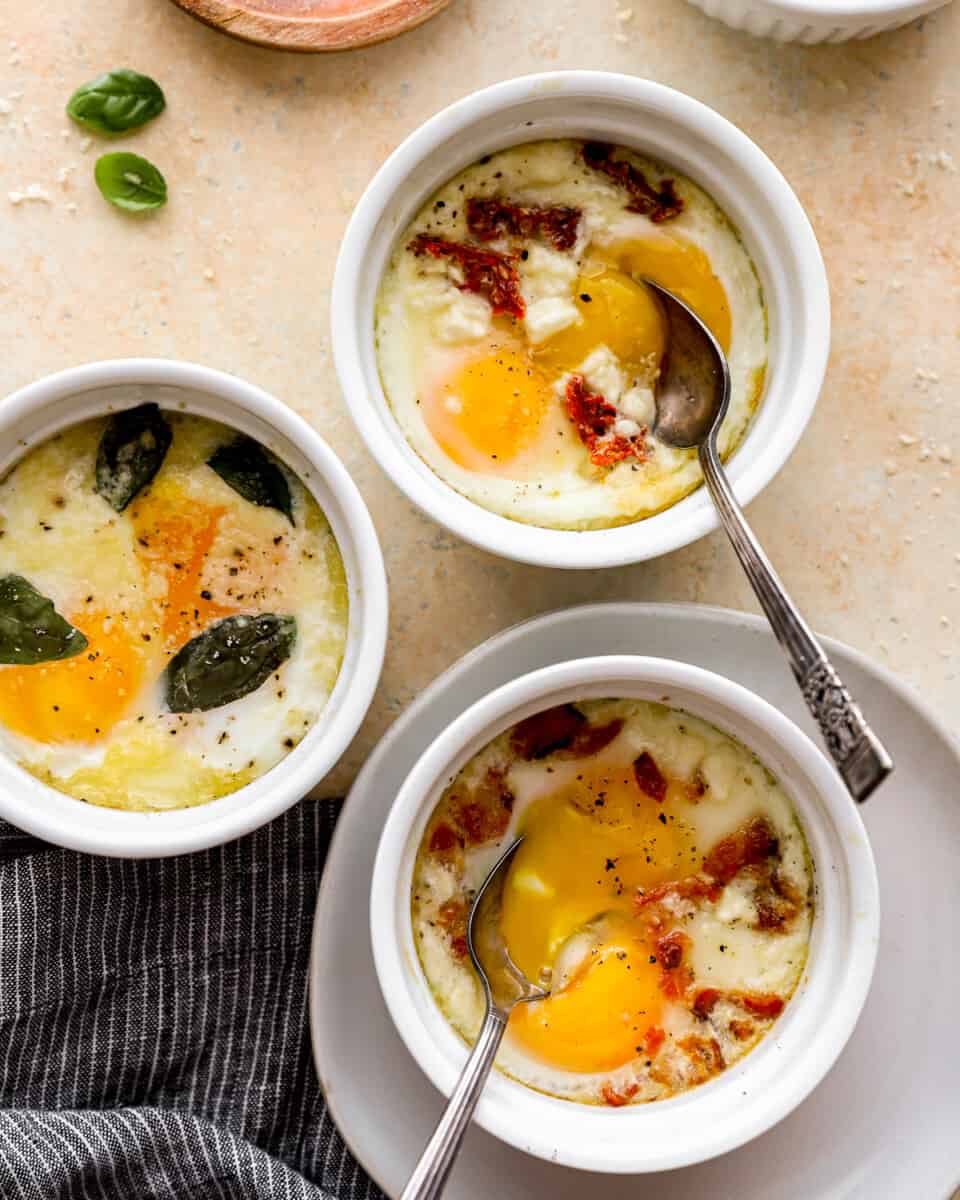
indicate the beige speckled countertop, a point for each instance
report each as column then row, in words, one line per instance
column 266, row 153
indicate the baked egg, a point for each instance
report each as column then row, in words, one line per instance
column 173, row 610
column 519, row 347
column 663, row 895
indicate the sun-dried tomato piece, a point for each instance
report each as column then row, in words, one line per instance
column 765, row 1005
column 553, row 729
column 761, row 1004
column 704, row 1002
column 671, row 948
column 594, row 419
column 594, row 738
column 745, row 847
column 742, row 1030
column 704, row 1055
column 443, row 839
column 691, row 887
column 650, row 779
column 492, row 218
column 675, row 977
column 452, row 918
column 653, row 1039
column 659, row 204
column 482, row 813
column 618, row 1097
column 484, row 271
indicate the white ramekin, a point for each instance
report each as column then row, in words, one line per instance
column 811, row 21
column 754, row 1093
column 682, row 133
column 42, row 409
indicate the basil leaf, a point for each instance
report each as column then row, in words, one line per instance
column 130, row 182
column 247, row 468
column 116, row 102
column 131, row 451
column 227, row 661
column 31, row 629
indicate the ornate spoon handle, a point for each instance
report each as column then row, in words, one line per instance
column 429, row 1177
column 857, row 751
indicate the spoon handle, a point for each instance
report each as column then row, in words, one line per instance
column 859, row 754
column 430, row 1174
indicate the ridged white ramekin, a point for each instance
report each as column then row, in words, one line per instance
column 762, row 1087
column 811, row 21
column 44, row 408
column 681, row 133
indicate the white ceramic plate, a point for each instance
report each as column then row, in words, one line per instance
column 882, row 1125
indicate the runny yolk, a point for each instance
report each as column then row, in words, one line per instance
column 681, row 267
column 175, row 536
column 490, row 410
column 614, row 311
column 78, row 699
column 587, row 848
column 597, row 1022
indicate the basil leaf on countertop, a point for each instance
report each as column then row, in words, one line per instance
column 31, row 629
column 228, row 661
column 132, row 449
column 116, row 102
column 130, row 182
column 248, row 469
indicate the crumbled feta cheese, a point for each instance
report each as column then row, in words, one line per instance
column 33, row 191
column 603, row 373
column 464, row 318
column 5, row 107
column 547, row 273
column 624, row 427
column 548, row 316
column 639, row 403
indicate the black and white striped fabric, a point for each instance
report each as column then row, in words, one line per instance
column 153, row 1023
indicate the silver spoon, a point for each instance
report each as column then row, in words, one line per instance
column 504, row 986
column 693, row 394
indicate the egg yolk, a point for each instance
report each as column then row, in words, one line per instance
column 491, row 409
column 598, row 1020
column 175, row 535
column 587, row 848
column 682, row 268
column 77, row 699
column 614, row 311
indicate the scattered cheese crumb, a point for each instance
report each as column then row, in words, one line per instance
column 71, row 207
column 890, row 467
column 33, row 191
column 63, row 175
column 85, row 145
column 907, row 439
column 209, row 273
column 5, row 107
column 196, row 135
column 944, row 160
column 844, row 560
column 621, row 38
column 925, row 375
column 860, row 277
column 625, row 14
column 945, row 454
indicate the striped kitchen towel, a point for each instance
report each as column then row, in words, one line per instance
column 154, row 1023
